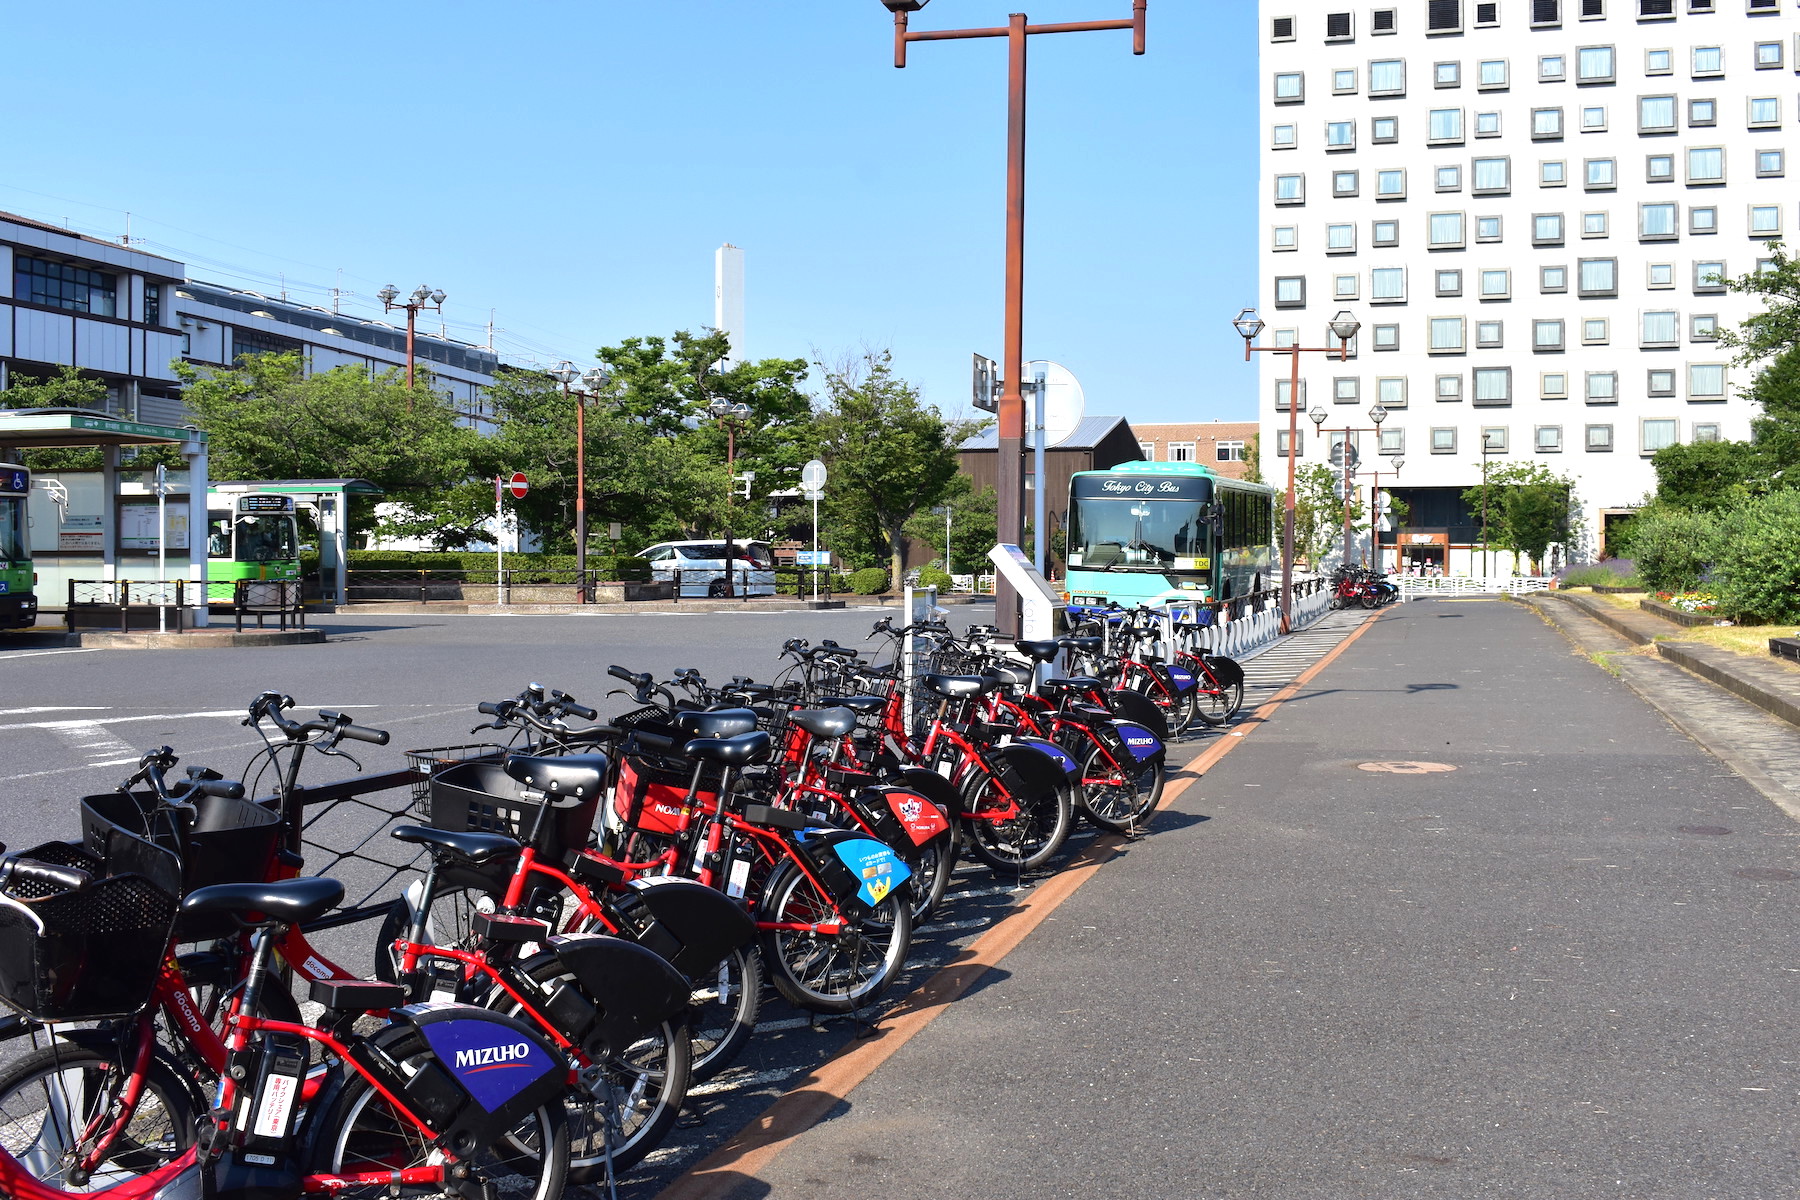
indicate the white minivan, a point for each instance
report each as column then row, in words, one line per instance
column 702, row 566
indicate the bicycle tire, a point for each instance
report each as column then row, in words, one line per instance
column 1178, row 708
column 49, row 1095
column 933, row 868
column 355, row 1129
column 722, row 1014
column 1027, row 841
column 832, row 973
column 1117, row 799
column 1219, row 702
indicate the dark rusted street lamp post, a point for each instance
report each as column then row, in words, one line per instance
column 1011, row 458
column 422, row 297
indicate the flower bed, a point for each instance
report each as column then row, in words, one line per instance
column 1694, row 602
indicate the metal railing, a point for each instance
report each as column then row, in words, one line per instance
column 1417, row 587
column 126, row 596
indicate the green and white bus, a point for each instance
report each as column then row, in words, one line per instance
column 249, row 535
column 1152, row 532
column 18, row 583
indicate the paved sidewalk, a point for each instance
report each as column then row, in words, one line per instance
column 1562, row 968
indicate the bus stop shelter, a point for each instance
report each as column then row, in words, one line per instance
column 329, row 500
column 49, row 428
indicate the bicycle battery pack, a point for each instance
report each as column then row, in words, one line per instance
column 632, row 990
column 488, row 1073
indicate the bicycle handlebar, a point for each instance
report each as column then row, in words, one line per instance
column 31, row 870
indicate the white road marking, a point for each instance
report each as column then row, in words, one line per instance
column 55, row 725
column 26, row 712
column 41, row 653
column 92, row 739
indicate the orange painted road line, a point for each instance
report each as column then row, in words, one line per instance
column 811, row 1099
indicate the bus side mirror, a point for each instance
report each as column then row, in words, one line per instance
column 1215, row 517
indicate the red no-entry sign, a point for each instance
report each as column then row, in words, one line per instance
column 518, row 485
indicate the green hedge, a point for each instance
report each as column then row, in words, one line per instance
column 870, row 581
column 480, row 565
column 932, row 577
column 1756, row 565
column 1672, row 547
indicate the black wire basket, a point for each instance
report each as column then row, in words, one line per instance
column 430, row 762
column 82, row 955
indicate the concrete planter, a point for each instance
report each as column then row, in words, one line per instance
column 1620, row 591
column 1669, row 612
column 1788, row 648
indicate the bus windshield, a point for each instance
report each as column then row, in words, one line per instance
column 265, row 539
column 1139, row 534
column 12, row 529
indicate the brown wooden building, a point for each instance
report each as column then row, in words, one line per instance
column 1094, row 445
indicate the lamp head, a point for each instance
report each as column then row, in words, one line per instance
column 388, row 295
column 718, row 407
column 1345, row 325
column 1378, row 414
column 905, row 6
column 1318, row 415
column 740, row 411
column 596, row 377
column 437, row 297
column 1248, row 324
column 421, row 294
column 564, row 373
column 1398, row 463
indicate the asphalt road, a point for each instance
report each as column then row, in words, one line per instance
column 1564, row 968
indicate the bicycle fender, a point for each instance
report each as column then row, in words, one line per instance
column 691, row 925
column 1143, row 744
column 1052, row 751
column 1226, row 670
column 1027, row 771
column 933, row 787
column 632, row 989
column 491, row 1071
column 1132, row 707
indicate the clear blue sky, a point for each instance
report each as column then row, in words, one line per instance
column 573, row 166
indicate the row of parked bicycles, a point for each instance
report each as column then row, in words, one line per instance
column 589, row 919
column 1352, row 586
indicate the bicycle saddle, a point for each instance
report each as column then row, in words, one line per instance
column 1087, row 645
column 856, row 704
column 1038, row 651
column 1074, row 683
column 569, row 778
column 1010, row 676
column 824, row 722
column 956, row 687
column 719, row 723
column 283, row 902
column 473, row 848
column 731, row 751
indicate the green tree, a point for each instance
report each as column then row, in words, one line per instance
column 1756, row 559
column 1776, row 329
column 1707, row 476
column 890, row 455
column 70, row 388
column 1253, row 459
column 266, row 418
column 1318, row 513
column 1528, row 507
column 974, row 525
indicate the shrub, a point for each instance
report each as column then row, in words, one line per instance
column 1756, row 574
column 870, row 581
column 1673, row 547
column 932, row 577
column 1596, row 576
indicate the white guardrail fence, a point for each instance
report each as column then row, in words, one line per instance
column 1416, row 587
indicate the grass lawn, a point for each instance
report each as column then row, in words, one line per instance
column 1740, row 639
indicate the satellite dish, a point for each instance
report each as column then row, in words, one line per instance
column 1064, row 402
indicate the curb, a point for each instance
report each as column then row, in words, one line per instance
column 196, row 639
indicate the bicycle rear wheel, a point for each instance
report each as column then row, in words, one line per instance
column 722, row 1014
column 1118, row 799
column 832, row 972
column 1024, row 842
column 57, row 1099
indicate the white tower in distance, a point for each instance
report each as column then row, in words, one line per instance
column 728, row 301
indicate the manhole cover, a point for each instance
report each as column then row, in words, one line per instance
column 1703, row 830
column 1771, row 873
column 1405, row 768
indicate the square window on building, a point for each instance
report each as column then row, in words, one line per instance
column 1443, row 441
column 1340, row 238
column 1593, row 224
column 1345, row 287
column 1709, row 62
column 1384, row 20
column 1343, row 183
column 1546, row 336
column 1659, row 328
column 1703, row 327
column 1765, row 112
column 1283, row 137
column 1771, row 164
column 1655, row 433
column 1490, row 335
column 1599, row 277
column 1290, row 87
column 1659, row 168
column 1446, row 230
column 1226, row 452
column 1553, row 172
column 1447, row 75
column 1702, row 113
column 1765, row 220
column 1390, row 392
column 1487, row 124
column 1281, row 442
column 1553, row 279
column 1659, row 381
column 1385, row 233
column 1705, row 165
column 1387, row 337
column 1595, row 331
column 1387, row 77
column 1449, row 283
column 1487, row 229
column 1290, row 291
column 1387, row 285
column 1602, row 387
column 1594, row 64
column 1553, row 385
column 1491, row 74
column 1706, row 381
column 1548, row 439
column 1703, row 219
column 1552, row 68
column 1656, row 114
column 1343, row 81
column 1602, row 174
column 1284, row 237
column 1281, row 29
column 1490, row 176
column 1346, row 389
column 1709, row 276
column 1446, row 335
column 1384, row 129
column 1659, row 275
column 1659, row 62
column 1547, row 229
column 1340, row 135
column 1390, row 184
column 1493, row 387
column 1449, row 179
column 1705, row 431
column 1496, row 284
column 1282, row 388
column 1288, row 337
column 1181, row 452
column 1659, row 222
column 1392, row 441
column 1449, row 389
column 1494, row 439
column 1599, row 439
column 1768, row 56
column 1446, row 126
column 1593, row 118
column 1546, row 124
column 1340, row 27
column 1290, row 189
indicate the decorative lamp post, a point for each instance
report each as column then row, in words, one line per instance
column 1011, row 411
column 422, row 297
column 1249, row 325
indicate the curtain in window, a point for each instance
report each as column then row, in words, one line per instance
column 1493, row 383
column 1446, row 228
column 1656, row 112
column 1597, row 275
column 1387, row 283
column 1491, row 174
column 1387, row 75
column 1446, row 333
column 1446, row 123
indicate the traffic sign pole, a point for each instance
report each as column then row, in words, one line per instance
column 812, row 478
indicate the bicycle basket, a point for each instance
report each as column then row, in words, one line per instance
column 431, row 761
column 82, row 956
column 651, row 798
column 478, row 796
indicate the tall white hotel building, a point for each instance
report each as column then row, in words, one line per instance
column 1528, row 204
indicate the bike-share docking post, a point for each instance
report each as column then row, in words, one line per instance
column 1042, row 605
column 921, row 609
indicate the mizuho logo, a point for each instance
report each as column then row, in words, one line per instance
column 493, row 1056
column 1140, row 741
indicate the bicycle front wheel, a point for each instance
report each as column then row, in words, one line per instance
column 1024, row 842
column 55, row 1100
column 722, row 1014
column 832, row 972
column 1218, row 702
column 1117, row 799
column 356, row 1130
